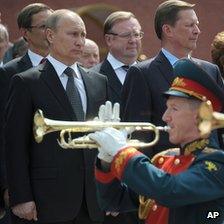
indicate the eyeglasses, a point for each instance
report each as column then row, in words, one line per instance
column 40, row 27
column 129, row 35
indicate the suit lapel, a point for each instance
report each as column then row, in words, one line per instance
column 165, row 67
column 113, row 80
column 50, row 77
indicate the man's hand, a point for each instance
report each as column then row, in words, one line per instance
column 26, row 210
column 110, row 140
column 107, row 113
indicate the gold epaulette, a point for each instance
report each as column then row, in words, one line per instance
column 145, row 205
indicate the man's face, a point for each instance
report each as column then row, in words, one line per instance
column 67, row 41
column 123, row 46
column 3, row 48
column 181, row 117
column 90, row 56
column 184, row 34
column 35, row 35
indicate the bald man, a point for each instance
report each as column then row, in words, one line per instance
column 90, row 55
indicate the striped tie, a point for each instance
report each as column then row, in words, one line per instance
column 73, row 94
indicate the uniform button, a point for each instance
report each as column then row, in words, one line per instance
column 177, row 161
column 161, row 160
column 154, row 207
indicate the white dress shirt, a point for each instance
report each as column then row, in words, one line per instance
column 35, row 58
column 60, row 68
column 117, row 66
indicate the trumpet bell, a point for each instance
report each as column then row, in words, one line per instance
column 209, row 120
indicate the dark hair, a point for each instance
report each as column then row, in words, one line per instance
column 167, row 13
column 116, row 17
column 217, row 51
column 24, row 18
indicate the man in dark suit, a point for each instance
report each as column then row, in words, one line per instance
column 30, row 21
column 123, row 35
column 46, row 183
column 176, row 25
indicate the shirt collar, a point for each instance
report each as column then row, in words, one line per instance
column 171, row 58
column 60, row 67
column 116, row 63
column 35, row 58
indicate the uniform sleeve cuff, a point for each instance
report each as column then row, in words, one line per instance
column 103, row 177
column 121, row 159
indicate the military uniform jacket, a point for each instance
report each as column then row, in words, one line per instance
column 190, row 195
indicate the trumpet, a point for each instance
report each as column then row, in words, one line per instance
column 43, row 126
column 209, row 120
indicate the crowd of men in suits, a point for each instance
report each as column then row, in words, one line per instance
column 41, row 182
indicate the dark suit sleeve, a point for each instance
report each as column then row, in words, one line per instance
column 19, row 119
column 4, row 87
column 136, row 97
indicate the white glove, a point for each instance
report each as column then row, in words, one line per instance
column 111, row 114
column 110, row 140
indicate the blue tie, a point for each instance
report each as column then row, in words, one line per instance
column 73, row 94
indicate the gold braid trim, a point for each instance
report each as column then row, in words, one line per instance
column 190, row 92
column 145, row 205
column 195, row 146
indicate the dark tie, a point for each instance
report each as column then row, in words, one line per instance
column 73, row 94
column 43, row 60
column 125, row 67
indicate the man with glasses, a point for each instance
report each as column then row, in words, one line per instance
column 123, row 35
column 31, row 22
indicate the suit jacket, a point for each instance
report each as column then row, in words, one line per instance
column 56, row 179
column 142, row 94
column 6, row 72
column 114, row 84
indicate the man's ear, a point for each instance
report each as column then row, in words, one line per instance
column 24, row 33
column 49, row 35
column 108, row 39
column 196, row 118
column 167, row 30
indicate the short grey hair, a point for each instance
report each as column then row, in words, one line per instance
column 56, row 16
column 115, row 17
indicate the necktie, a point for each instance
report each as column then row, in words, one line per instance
column 43, row 60
column 125, row 67
column 73, row 94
